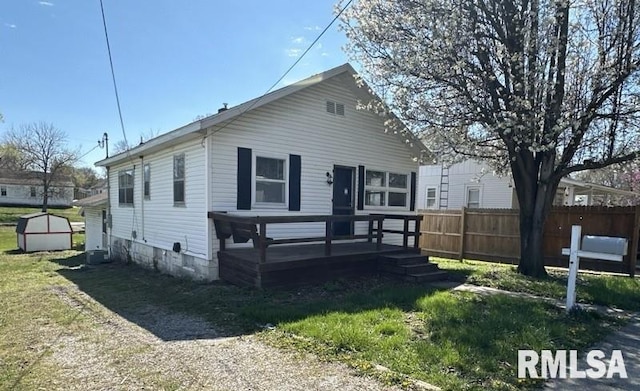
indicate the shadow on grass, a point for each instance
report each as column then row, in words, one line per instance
column 177, row 309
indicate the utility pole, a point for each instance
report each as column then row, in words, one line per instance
column 104, row 143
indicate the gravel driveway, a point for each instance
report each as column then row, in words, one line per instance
column 156, row 349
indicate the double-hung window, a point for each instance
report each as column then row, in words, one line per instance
column 386, row 189
column 147, row 181
column 125, row 187
column 270, row 180
column 473, row 197
column 3, row 191
column 431, row 197
column 178, row 179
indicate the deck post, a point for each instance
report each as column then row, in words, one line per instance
column 262, row 242
column 416, row 231
column 380, row 219
column 327, row 237
column 405, row 232
column 370, row 232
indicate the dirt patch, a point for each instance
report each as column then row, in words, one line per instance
column 153, row 348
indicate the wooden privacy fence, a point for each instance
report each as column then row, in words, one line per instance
column 494, row 234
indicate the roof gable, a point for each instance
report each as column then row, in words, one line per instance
column 218, row 121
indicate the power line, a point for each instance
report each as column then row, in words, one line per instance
column 255, row 102
column 113, row 75
column 88, row 152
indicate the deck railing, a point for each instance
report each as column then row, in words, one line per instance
column 255, row 228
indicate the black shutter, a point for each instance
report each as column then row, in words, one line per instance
column 412, row 202
column 360, row 187
column 295, row 168
column 244, row 179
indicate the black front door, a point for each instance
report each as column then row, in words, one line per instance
column 343, row 199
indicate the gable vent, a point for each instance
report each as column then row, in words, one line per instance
column 335, row 108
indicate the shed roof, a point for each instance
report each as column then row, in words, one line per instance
column 24, row 220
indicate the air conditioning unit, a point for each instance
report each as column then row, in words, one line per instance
column 95, row 257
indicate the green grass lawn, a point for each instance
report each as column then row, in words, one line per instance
column 453, row 340
column 604, row 289
column 11, row 214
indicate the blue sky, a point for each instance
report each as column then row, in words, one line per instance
column 173, row 60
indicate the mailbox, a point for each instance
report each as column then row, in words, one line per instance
column 604, row 244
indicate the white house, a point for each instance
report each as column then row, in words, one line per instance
column 474, row 184
column 304, row 149
column 25, row 188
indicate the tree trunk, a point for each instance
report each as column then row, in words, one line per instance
column 531, row 250
column 45, row 198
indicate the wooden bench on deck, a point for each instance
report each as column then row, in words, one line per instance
column 241, row 232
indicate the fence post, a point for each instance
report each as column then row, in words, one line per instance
column 635, row 239
column 462, row 229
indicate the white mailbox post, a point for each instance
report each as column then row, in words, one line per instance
column 594, row 247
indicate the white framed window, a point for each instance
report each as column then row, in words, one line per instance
column 146, row 173
column 32, row 191
column 473, row 196
column 125, row 187
column 430, row 198
column 386, row 189
column 270, row 182
column 3, row 191
column 178, row 179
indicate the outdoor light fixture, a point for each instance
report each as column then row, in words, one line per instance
column 329, row 178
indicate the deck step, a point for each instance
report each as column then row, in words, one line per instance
column 409, row 269
column 426, row 277
column 404, row 259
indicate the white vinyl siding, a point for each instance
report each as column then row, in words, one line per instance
column 161, row 224
column 295, row 125
column 496, row 190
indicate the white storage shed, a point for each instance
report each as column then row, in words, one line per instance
column 44, row 232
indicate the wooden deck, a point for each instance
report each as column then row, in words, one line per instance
column 301, row 264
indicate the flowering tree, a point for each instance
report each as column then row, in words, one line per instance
column 542, row 88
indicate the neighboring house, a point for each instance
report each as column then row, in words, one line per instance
column 98, row 188
column 300, row 150
column 94, row 210
column 25, row 188
column 473, row 184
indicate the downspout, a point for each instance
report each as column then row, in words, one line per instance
column 109, row 216
column 142, row 197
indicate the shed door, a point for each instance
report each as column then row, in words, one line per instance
column 343, row 200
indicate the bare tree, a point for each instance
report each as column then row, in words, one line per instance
column 125, row 145
column 43, row 148
column 542, row 88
